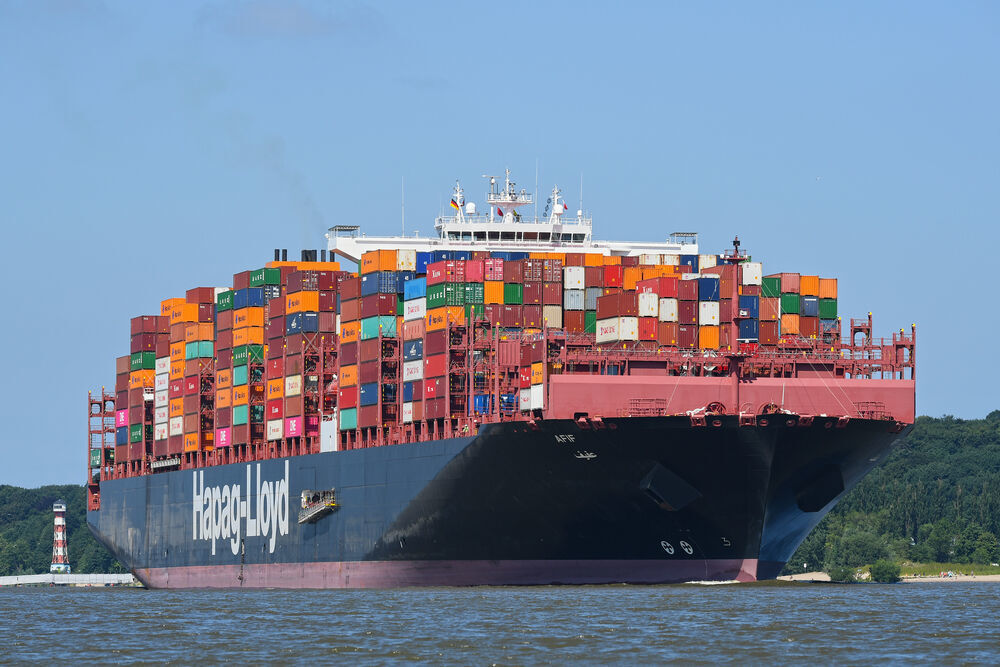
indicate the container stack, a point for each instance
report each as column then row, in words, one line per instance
column 806, row 305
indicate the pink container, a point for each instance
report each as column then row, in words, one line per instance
column 223, row 437
column 493, row 269
column 293, row 427
column 474, row 271
column 121, row 418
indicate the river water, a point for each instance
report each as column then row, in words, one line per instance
column 772, row 622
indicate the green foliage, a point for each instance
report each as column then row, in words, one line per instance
column 26, row 531
column 885, row 571
column 841, row 574
column 935, row 498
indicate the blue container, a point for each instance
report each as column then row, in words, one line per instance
column 482, row 403
column 338, row 303
column 378, row 282
column 121, row 435
column 368, row 394
column 413, row 350
column 248, row 297
column 708, row 289
column 508, row 403
column 516, row 256
column 423, row 259
column 809, row 306
column 388, row 393
column 749, row 307
column 415, row 289
column 690, row 260
column 402, row 278
column 440, row 255
column 301, row 323
column 749, row 330
column 407, row 392
column 460, row 254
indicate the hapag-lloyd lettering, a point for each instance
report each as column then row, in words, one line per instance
column 223, row 513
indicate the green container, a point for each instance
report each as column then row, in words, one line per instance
column 399, row 307
column 590, row 321
column 256, row 414
column 142, row 361
column 95, row 458
column 828, row 309
column 206, row 349
column 370, row 327
column 240, row 414
column 436, row 297
column 513, row 294
column 348, row 419
column 239, row 375
column 135, row 433
column 474, row 292
column 191, row 350
column 245, row 354
column 473, row 311
column 262, row 277
column 224, row 301
column 790, row 304
column 770, row 287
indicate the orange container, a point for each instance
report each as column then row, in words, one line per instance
column 241, row 395
column 537, row 372
column 143, row 378
column 708, row 337
column 190, row 442
column 177, row 352
column 438, row 318
column 348, row 375
column 275, row 388
column 206, row 331
column 177, row 368
column 537, row 255
column 306, row 266
column 789, row 325
column 248, row 336
column 828, row 288
column 184, row 312
column 349, row 331
column 248, row 317
column 378, row 260
column 632, row 275
column 593, row 259
column 493, row 291
column 809, row 285
column 223, row 398
column 610, row 260
column 302, row 301
column 190, row 332
column 223, row 378
column 167, row 305
column 175, row 407
column 770, row 308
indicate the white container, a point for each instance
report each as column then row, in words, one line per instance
column 177, row 426
column 275, row 429
column 407, row 413
column 670, row 260
column 161, row 399
column 293, row 385
column 573, row 299
column 707, row 261
column 668, row 309
column 525, row 400
column 649, row 304
column 629, row 328
column 163, row 366
column 616, row 329
column 537, row 396
column 161, row 415
column 708, row 313
column 406, row 260
column 413, row 370
column 552, row 317
column 328, row 433
column 162, row 382
column 649, row 260
column 573, row 277
column 161, row 432
column 415, row 309
column 752, row 273
column 690, row 276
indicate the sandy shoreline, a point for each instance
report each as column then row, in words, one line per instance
column 823, row 576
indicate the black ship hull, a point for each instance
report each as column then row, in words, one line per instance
column 632, row 500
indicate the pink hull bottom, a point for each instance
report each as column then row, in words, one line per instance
column 393, row 574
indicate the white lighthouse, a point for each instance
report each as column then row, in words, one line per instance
column 60, row 557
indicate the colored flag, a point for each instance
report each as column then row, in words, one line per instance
column 454, row 204
column 499, row 211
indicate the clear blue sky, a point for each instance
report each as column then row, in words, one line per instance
column 152, row 147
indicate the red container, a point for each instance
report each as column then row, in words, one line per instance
column 493, row 269
column 687, row 312
column 593, row 276
column 552, row 270
column 368, row 372
column 135, row 397
column 455, row 271
column 434, row 387
column 436, row 272
column 574, row 321
column 808, row 326
column 474, row 271
column 533, row 293
column 274, row 330
column 770, row 308
column 348, row 354
column 532, row 353
column 223, row 417
column 276, row 307
column 575, row 259
column 647, row 328
column 350, row 288
column 378, row 304
column 664, row 287
column 770, row 331
column 435, row 342
column 510, row 316
column 534, row 269
column 176, row 389
column 524, row 377
column 630, row 260
column 224, row 321
column 162, row 346
column 750, row 290
column 224, row 358
column 552, row 294
column 328, row 322
column 143, row 324
column 347, row 397
column 513, row 272
column 687, row 335
column 666, row 333
column 435, row 408
column 137, row 414
column 206, row 312
column 687, row 290
column 328, row 301
column 241, row 280
column 224, row 340
column 531, row 316
column 203, row 295
column 275, row 368
column 618, row 304
column 726, row 312
column 368, row 416
column 613, row 276
column 436, row 366
column 143, row 342
column 350, row 310
column 136, row 450
column 275, row 409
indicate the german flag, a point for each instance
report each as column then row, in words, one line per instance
column 454, row 204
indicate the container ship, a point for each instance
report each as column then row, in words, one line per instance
column 506, row 402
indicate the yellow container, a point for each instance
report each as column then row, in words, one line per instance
column 537, row 372
column 241, row 395
column 143, row 378
column 349, row 331
column 493, row 291
column 175, row 407
column 275, row 388
column 828, row 288
column 809, row 285
column 708, row 337
column 301, row 302
column 223, row 398
column 348, row 375
column 789, row 325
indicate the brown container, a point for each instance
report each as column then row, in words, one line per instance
column 687, row 290
column 135, row 397
column 293, row 406
column 192, row 405
column 750, row 290
column 276, row 307
column 552, row 294
column 223, row 417
column 162, row 345
column 328, row 322
column 531, row 316
column 350, row 310
column 687, row 312
column 552, row 270
column 137, row 414
column 769, row 332
column 123, row 365
column 370, row 349
column 725, row 311
column 121, row 382
column 574, row 320
column 293, row 364
column 143, row 324
column 348, row 354
column 770, row 308
column 687, row 335
column 224, row 321
column 533, row 270
column 293, row 344
column 619, row 303
column 435, row 342
column 368, row 416
column 809, row 326
column 574, row 259
column 418, row 409
column 224, row 340
column 666, row 333
column 435, row 408
column 630, row 260
column 327, row 301
column 378, row 304
column 206, row 312
column 223, row 359
column 368, row 371
column 200, row 295
column 350, row 288
column 510, row 316
column 513, row 272
column 533, row 292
